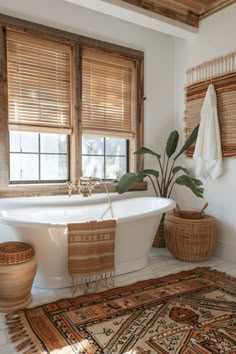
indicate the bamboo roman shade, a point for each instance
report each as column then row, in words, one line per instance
column 108, row 95
column 39, row 84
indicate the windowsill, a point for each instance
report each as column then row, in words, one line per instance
column 36, row 190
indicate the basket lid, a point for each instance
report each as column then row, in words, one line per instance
column 13, row 252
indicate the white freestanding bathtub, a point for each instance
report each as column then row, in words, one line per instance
column 41, row 221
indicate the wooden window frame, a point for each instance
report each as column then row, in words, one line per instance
column 77, row 42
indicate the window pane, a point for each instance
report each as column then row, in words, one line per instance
column 54, row 143
column 54, row 167
column 23, row 142
column 24, row 167
column 92, row 145
column 93, row 166
column 115, row 167
column 115, row 146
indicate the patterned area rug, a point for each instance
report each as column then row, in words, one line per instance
column 192, row 312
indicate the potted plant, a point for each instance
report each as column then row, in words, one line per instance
column 167, row 175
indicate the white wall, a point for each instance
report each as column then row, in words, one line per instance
column 216, row 37
column 158, row 49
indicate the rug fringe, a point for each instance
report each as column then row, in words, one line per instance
column 223, row 274
column 21, row 334
column 23, row 344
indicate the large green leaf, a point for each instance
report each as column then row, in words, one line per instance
column 148, row 172
column 127, row 181
column 191, row 139
column 176, row 169
column 191, row 183
column 172, row 143
column 143, row 150
column 196, row 181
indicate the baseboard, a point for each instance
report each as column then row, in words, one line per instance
column 226, row 251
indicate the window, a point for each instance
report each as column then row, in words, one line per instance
column 38, row 157
column 108, row 114
column 69, row 105
column 104, row 157
column 38, row 101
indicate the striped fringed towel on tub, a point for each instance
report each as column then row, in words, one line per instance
column 91, row 248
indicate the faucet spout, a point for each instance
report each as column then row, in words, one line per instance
column 85, row 186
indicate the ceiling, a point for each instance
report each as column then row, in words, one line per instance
column 179, row 18
column 189, row 12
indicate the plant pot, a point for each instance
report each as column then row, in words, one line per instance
column 159, row 240
column 191, row 240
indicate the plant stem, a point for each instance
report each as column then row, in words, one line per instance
column 162, row 173
column 159, row 187
column 165, row 182
column 169, row 177
column 171, row 190
column 154, row 187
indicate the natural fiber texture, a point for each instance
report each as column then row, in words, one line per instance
column 212, row 69
column 225, row 86
column 191, row 312
column 190, row 240
column 91, row 249
column 13, row 252
column 16, row 281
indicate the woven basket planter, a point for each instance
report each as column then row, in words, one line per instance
column 191, row 240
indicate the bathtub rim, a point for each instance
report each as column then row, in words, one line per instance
column 13, row 222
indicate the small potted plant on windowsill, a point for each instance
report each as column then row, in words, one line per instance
column 168, row 174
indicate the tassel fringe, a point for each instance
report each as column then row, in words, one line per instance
column 21, row 334
column 90, row 283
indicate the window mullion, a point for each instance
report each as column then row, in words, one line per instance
column 39, row 155
column 104, row 146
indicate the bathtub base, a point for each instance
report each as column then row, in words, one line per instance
column 44, row 282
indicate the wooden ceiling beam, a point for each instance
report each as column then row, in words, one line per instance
column 189, row 12
column 193, row 5
column 214, row 7
column 189, row 18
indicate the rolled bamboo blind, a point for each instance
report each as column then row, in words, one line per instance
column 39, row 84
column 108, row 95
column 221, row 72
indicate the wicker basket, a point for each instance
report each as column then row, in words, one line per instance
column 14, row 252
column 191, row 240
column 17, row 271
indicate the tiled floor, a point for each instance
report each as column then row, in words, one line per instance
column 161, row 263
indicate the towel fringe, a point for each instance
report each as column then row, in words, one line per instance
column 86, row 283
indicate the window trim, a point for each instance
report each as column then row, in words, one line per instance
column 77, row 42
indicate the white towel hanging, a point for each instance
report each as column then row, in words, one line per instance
column 208, row 153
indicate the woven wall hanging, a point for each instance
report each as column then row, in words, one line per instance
column 221, row 72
